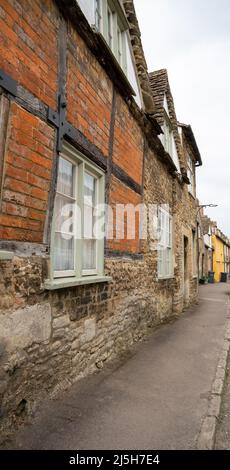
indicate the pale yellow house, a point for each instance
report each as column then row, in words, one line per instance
column 220, row 260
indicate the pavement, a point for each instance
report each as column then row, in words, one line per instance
column 154, row 398
column 222, row 441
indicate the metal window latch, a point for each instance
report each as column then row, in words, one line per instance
column 58, row 119
column 62, row 117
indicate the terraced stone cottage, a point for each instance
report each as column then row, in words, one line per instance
column 82, row 124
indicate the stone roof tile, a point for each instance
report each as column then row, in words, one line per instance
column 139, row 55
column 160, row 88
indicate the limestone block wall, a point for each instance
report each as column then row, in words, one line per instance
column 49, row 340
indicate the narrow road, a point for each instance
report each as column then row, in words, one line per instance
column 156, row 398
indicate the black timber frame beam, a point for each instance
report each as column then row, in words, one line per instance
column 8, row 84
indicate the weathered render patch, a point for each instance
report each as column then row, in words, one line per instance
column 25, row 326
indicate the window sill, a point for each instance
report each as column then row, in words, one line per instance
column 6, row 255
column 72, row 282
column 165, row 278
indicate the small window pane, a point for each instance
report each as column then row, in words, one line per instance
column 168, row 261
column 98, row 16
column 89, row 204
column 119, row 43
column 168, row 136
column 169, row 241
column 65, row 177
column 64, row 210
column 88, row 221
column 63, row 253
column 110, row 28
column 89, row 254
column 163, row 221
column 165, row 260
column 89, row 189
column 160, row 262
column 89, row 243
column 64, row 224
column 159, row 233
column 190, row 174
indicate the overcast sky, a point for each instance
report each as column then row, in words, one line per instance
column 191, row 38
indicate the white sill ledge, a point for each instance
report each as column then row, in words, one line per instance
column 6, row 255
column 71, row 282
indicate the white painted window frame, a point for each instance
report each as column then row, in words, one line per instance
column 118, row 23
column 98, row 14
column 194, row 253
column 191, row 176
column 81, row 164
column 90, row 272
column 66, row 273
column 168, row 137
column 168, row 134
column 165, row 245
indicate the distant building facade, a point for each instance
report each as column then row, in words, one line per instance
column 221, row 252
column 207, row 252
column 177, row 276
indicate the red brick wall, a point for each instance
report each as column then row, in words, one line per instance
column 89, row 91
column 128, row 142
column 29, row 54
column 28, row 45
column 27, row 176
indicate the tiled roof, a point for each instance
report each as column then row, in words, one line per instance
column 188, row 132
column 159, row 86
column 142, row 70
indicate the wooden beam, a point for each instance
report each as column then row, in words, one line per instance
column 4, row 117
